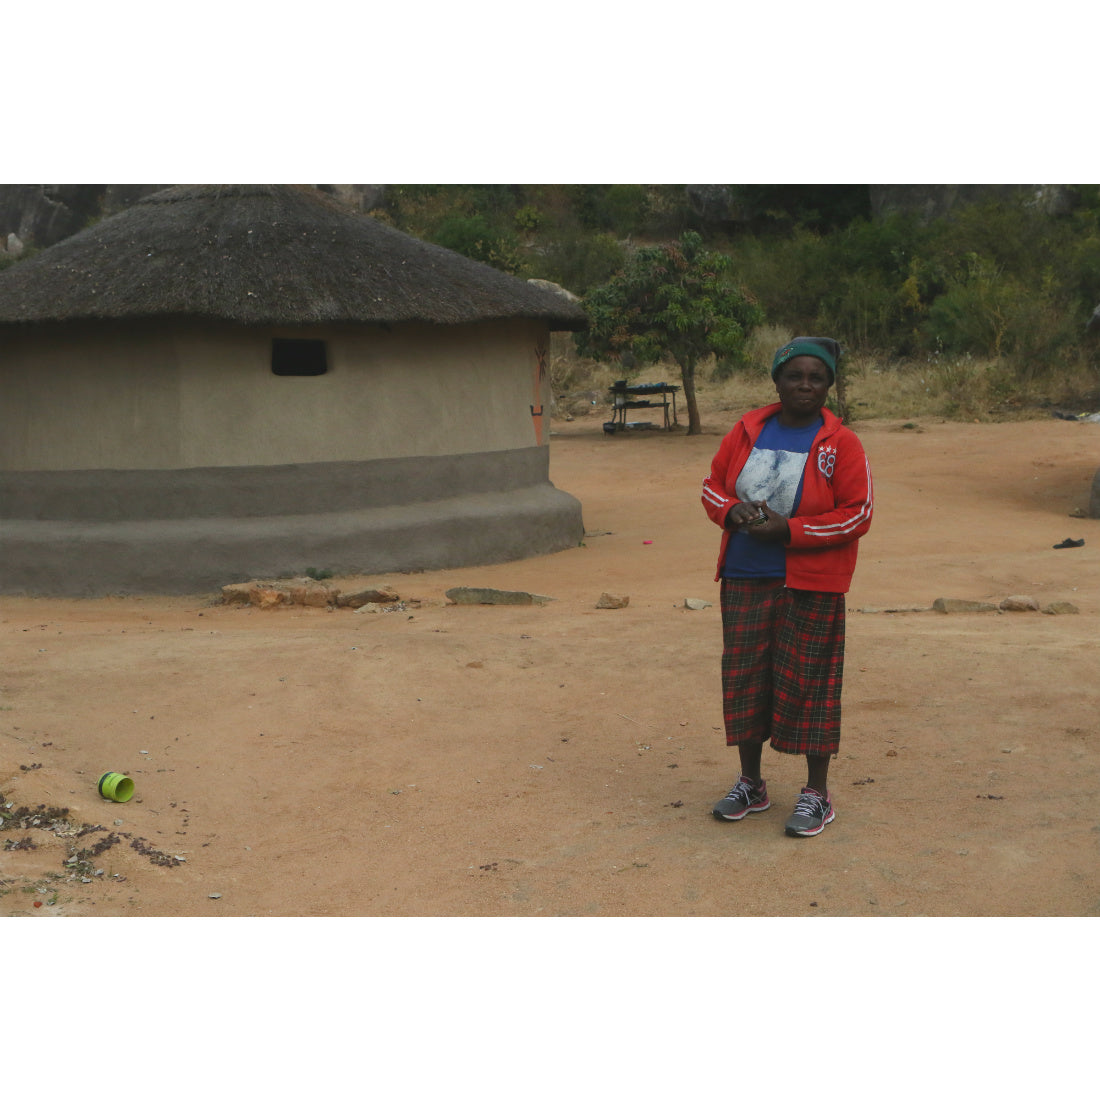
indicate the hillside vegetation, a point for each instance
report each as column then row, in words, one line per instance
column 979, row 313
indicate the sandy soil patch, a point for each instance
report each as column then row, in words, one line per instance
column 562, row 760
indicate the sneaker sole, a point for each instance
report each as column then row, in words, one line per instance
column 744, row 813
column 793, row 830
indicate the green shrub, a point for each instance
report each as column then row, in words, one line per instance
column 970, row 316
column 527, row 219
column 620, row 208
column 579, row 261
column 987, row 312
column 475, row 237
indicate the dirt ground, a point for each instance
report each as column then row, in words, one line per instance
column 562, row 760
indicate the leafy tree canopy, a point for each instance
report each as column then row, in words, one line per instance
column 677, row 300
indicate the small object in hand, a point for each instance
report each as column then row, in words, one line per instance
column 761, row 518
column 1066, row 543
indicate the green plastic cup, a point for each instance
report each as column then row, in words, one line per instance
column 116, row 786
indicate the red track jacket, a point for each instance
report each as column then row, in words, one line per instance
column 835, row 509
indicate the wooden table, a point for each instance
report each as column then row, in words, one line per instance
column 644, row 396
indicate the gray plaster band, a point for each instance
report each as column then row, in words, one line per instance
column 189, row 556
column 256, row 491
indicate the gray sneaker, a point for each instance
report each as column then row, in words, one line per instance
column 746, row 797
column 812, row 812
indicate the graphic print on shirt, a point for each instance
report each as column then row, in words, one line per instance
column 772, row 476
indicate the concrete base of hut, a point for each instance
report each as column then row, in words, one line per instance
column 177, row 557
column 98, row 533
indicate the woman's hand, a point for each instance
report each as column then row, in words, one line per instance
column 766, row 525
column 742, row 514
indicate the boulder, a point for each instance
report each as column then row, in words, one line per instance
column 613, row 603
column 365, row 596
column 312, row 593
column 555, row 288
column 493, row 596
column 947, row 606
column 1019, row 603
column 302, row 591
column 1061, row 607
column 714, row 203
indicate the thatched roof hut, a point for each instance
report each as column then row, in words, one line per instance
column 154, row 438
column 264, row 255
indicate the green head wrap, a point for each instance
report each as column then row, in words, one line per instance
column 820, row 347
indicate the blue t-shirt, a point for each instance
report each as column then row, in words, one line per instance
column 773, row 473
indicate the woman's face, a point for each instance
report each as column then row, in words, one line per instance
column 803, row 385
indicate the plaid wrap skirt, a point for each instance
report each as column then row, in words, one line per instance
column 782, row 666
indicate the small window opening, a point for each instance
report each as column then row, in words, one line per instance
column 298, row 357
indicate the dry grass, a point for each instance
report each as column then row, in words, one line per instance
column 962, row 388
column 942, row 387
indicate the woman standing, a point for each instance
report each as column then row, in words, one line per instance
column 791, row 489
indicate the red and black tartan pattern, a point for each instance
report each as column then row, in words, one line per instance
column 782, row 666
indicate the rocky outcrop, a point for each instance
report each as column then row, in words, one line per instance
column 41, row 214
column 714, row 203
column 37, row 215
column 938, row 200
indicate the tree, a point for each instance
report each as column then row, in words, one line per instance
column 676, row 300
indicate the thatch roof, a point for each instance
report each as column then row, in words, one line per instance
column 263, row 255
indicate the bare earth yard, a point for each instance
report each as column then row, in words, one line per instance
column 562, row 760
